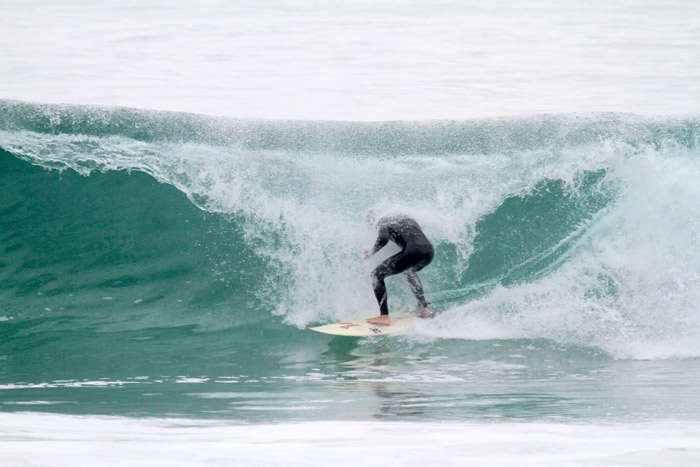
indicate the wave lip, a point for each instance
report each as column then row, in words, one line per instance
column 436, row 137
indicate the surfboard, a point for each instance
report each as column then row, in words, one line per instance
column 362, row 328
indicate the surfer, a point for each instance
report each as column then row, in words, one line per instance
column 416, row 253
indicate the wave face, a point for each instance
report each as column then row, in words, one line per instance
column 578, row 229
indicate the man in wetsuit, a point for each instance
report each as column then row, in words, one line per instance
column 416, row 253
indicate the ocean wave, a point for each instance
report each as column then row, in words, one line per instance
column 582, row 229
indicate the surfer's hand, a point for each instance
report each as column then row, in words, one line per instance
column 366, row 254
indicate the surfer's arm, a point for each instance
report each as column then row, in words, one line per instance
column 382, row 239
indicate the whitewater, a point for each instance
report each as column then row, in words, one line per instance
column 183, row 191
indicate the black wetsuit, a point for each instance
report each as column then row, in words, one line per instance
column 416, row 253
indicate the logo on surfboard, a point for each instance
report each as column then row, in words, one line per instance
column 347, row 325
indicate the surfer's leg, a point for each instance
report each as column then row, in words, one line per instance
column 416, row 287
column 393, row 265
column 380, row 273
column 378, row 276
column 424, row 258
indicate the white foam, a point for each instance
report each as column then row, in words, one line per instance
column 60, row 440
column 630, row 286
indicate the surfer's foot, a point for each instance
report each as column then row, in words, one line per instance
column 425, row 312
column 382, row 320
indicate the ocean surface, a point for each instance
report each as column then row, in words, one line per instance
column 183, row 190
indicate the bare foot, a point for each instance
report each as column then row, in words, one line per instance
column 382, row 320
column 424, row 313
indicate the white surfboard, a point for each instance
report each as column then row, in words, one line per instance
column 362, row 328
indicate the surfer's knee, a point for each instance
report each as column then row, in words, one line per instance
column 380, row 272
